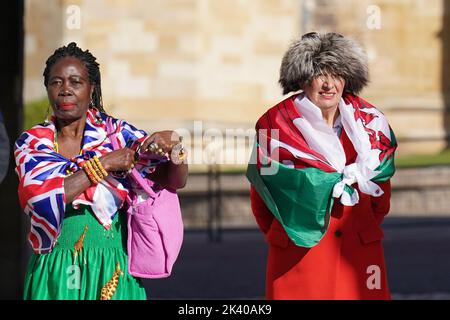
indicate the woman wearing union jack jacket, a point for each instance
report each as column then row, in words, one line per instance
column 320, row 176
column 73, row 185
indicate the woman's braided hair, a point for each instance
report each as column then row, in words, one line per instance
column 92, row 66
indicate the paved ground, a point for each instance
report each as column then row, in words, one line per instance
column 417, row 253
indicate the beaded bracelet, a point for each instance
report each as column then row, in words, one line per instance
column 93, row 176
column 89, row 174
column 100, row 166
column 96, row 169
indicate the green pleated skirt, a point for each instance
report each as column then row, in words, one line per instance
column 71, row 274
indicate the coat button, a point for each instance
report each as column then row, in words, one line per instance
column 338, row 233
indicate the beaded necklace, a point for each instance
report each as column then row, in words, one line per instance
column 55, row 142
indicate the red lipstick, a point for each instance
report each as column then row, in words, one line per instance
column 67, row 106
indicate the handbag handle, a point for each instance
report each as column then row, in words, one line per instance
column 134, row 173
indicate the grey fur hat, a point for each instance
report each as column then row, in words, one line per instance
column 317, row 53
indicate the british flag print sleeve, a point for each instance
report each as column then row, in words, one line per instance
column 41, row 171
column 41, row 174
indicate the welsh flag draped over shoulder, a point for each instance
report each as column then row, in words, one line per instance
column 298, row 165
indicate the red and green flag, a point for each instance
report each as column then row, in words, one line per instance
column 298, row 165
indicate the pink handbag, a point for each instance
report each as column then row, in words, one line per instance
column 155, row 227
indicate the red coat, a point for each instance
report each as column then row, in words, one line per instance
column 348, row 263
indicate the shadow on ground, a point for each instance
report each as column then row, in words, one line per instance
column 417, row 253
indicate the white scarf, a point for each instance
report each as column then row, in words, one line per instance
column 322, row 139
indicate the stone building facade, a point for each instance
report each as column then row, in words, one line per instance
column 168, row 63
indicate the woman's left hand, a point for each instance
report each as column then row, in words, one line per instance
column 165, row 140
column 171, row 174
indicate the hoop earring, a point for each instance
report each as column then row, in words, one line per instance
column 47, row 117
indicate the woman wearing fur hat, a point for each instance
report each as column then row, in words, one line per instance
column 320, row 182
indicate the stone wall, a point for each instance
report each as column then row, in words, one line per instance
column 176, row 61
column 168, row 63
column 406, row 61
column 43, row 33
column 421, row 192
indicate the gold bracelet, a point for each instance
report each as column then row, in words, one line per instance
column 96, row 178
column 89, row 174
column 88, row 168
column 96, row 169
column 100, row 166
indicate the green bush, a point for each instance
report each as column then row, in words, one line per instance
column 420, row 160
column 35, row 112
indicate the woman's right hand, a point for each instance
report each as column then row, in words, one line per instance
column 118, row 160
